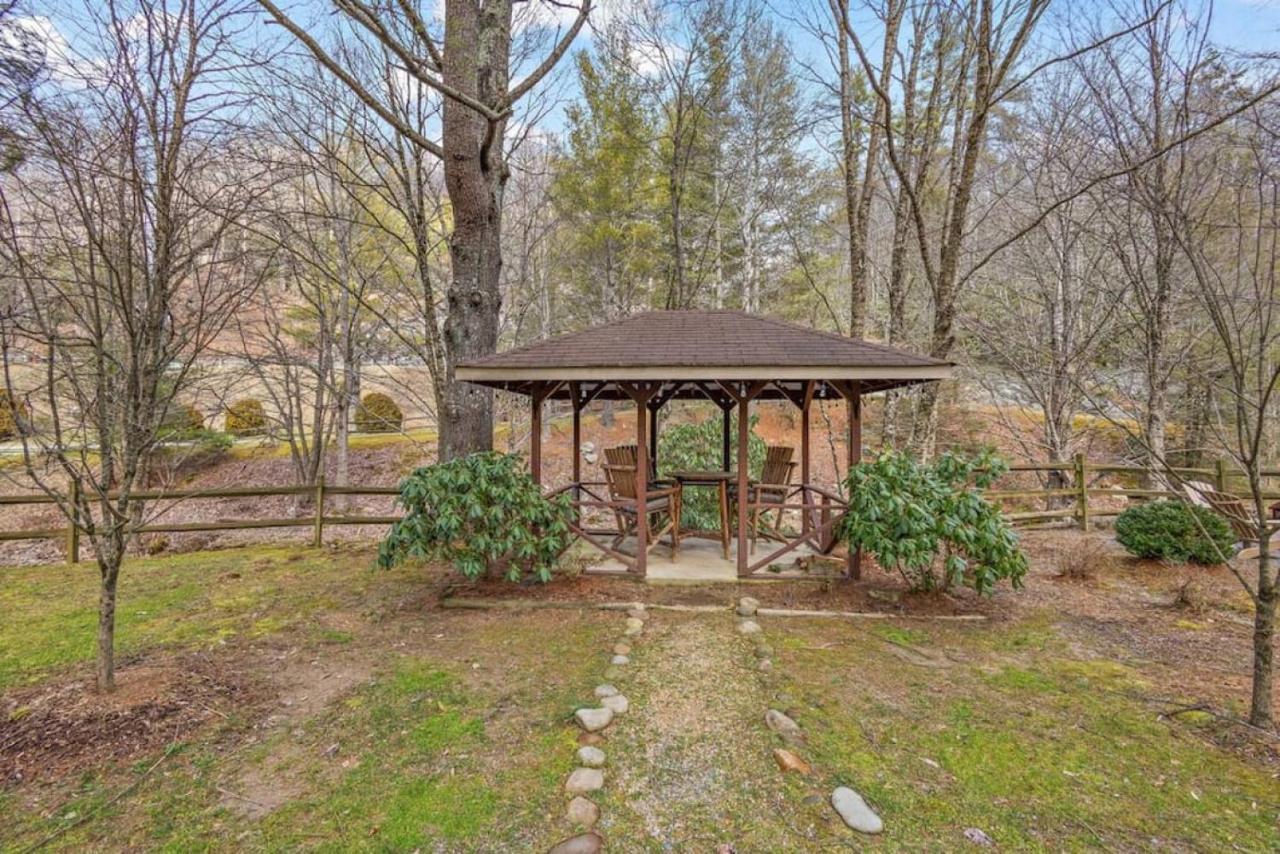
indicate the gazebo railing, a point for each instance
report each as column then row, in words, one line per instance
column 821, row 512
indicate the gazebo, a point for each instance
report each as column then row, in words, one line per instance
column 729, row 358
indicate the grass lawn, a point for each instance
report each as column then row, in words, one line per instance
column 299, row 699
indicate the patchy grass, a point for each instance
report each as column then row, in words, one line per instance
column 185, row 600
column 379, row 722
column 1017, row 738
column 460, row 730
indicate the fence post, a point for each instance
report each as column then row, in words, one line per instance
column 1082, row 492
column 317, row 536
column 73, row 526
column 1220, row 475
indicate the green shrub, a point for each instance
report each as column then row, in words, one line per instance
column 246, row 418
column 1172, row 530
column 931, row 523
column 378, row 413
column 696, row 447
column 480, row 513
column 14, row 416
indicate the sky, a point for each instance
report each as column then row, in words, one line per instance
column 1251, row 26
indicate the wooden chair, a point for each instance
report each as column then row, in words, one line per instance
column 626, row 455
column 770, row 492
column 1243, row 523
column 661, row 503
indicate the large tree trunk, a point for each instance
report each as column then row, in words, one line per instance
column 477, row 47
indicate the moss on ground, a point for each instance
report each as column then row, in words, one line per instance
column 1018, row 739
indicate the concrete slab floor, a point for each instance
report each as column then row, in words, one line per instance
column 701, row 560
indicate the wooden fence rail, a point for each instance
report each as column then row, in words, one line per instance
column 1076, row 497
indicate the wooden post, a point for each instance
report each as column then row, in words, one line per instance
column 576, row 397
column 653, row 436
column 642, row 489
column 535, row 436
column 743, row 396
column 1082, row 491
column 1220, row 475
column 852, row 392
column 317, row 534
column 73, row 524
column 806, row 520
column 726, row 416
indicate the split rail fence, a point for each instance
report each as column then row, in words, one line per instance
column 1068, row 503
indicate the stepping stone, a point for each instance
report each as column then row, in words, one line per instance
column 590, row 756
column 634, row 627
column 585, row 843
column 778, row 722
column 584, row 780
column 594, row 720
column 603, row 691
column 747, row 606
column 617, row 704
column 582, row 812
column 763, row 650
column 978, row 837
column 622, row 648
column 613, row 672
column 853, row 810
column 590, row 738
column 749, row 627
column 620, row 660
column 788, row 761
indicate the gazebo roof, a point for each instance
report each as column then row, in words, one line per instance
column 690, row 346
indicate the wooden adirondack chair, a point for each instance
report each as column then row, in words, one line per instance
column 662, row 504
column 770, row 493
column 1243, row 523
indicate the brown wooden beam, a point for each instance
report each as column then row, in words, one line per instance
column 641, row 393
column 806, row 401
column 743, row 393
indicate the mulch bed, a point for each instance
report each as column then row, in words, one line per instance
column 65, row 727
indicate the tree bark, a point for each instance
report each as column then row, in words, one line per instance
column 476, row 58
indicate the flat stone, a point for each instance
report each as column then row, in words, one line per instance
column 584, row 843
column 617, row 704
column 747, row 606
column 853, row 810
column 763, row 650
column 605, row 690
column 784, row 726
column 584, row 780
column 978, row 837
column 594, row 720
column 590, row 738
column 749, row 627
column 613, row 672
column 788, row 761
column 621, row 648
column 634, row 627
column 582, row 812
column 591, row 756
column 620, row 660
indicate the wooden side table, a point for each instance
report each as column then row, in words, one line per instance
column 720, row 480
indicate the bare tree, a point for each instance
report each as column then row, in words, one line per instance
column 1230, row 234
column 469, row 66
column 120, row 233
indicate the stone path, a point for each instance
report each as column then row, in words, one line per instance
column 682, row 748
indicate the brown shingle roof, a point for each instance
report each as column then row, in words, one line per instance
column 708, row 345
column 702, row 339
